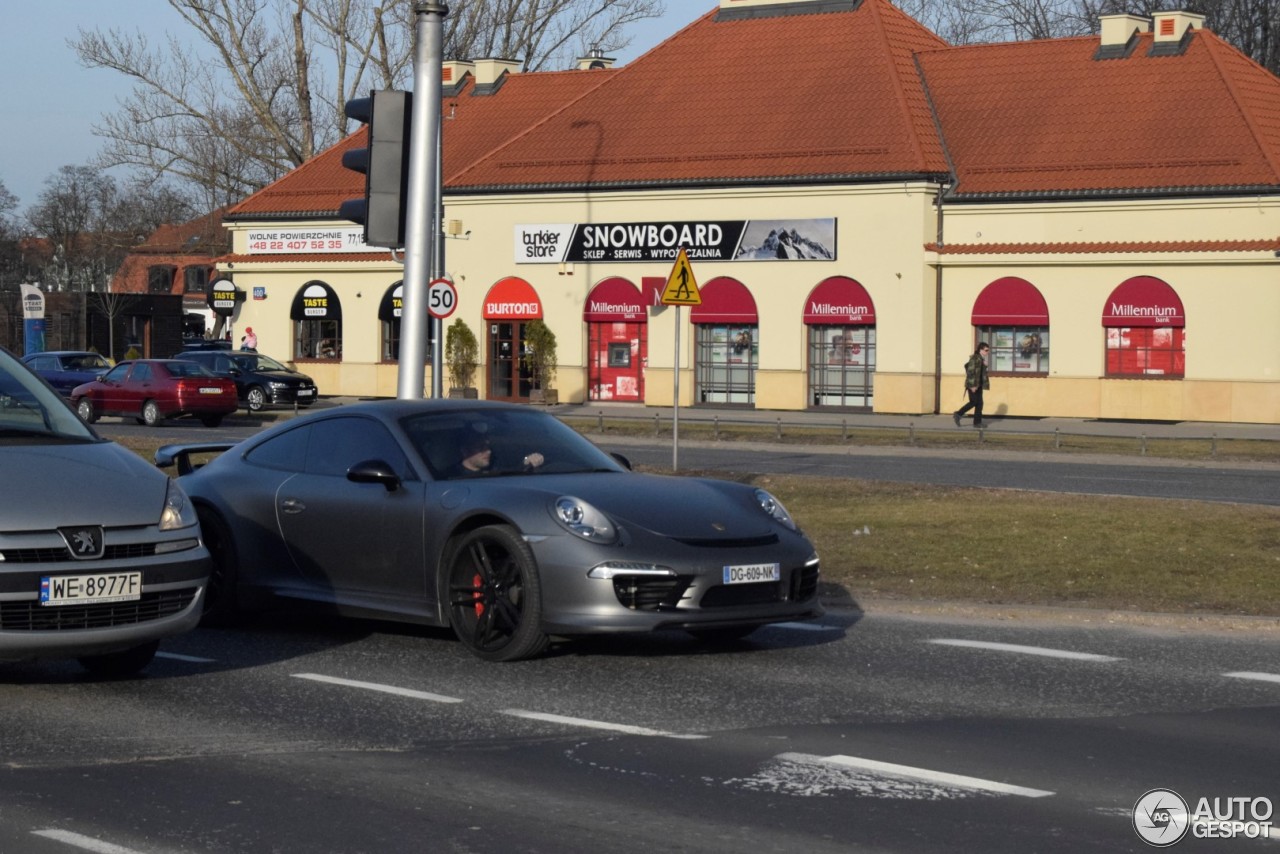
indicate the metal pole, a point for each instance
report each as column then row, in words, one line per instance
column 675, row 408
column 424, row 191
column 437, row 270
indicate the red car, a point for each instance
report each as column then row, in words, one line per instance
column 152, row 390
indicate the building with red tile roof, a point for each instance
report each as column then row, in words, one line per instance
column 178, row 259
column 860, row 202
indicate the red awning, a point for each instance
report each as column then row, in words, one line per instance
column 614, row 300
column 1143, row 301
column 725, row 300
column 839, row 301
column 1010, row 302
column 512, row 299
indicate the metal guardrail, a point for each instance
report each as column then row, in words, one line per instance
column 912, row 435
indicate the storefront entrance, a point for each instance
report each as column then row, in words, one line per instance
column 617, row 341
column 508, row 378
column 616, row 361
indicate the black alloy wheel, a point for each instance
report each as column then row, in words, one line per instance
column 495, row 597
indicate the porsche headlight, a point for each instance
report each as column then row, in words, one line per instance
column 580, row 518
column 774, row 508
column 178, row 512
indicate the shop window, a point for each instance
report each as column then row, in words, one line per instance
column 317, row 339
column 317, row 323
column 1146, row 351
column 391, row 340
column 726, row 359
column 842, row 365
column 1017, row 349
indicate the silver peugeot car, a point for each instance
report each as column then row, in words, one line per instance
column 100, row 553
column 495, row 519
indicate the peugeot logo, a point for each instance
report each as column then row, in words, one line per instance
column 84, row 543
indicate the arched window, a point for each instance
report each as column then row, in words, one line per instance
column 1146, row 330
column 841, row 320
column 389, row 312
column 727, row 342
column 1011, row 315
column 617, row 340
column 317, row 322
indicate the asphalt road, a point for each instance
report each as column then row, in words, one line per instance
column 883, row 731
column 1145, row 477
column 860, row 733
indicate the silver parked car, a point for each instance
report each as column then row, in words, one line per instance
column 495, row 519
column 100, row 553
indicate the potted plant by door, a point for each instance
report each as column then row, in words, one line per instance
column 539, row 358
column 462, row 357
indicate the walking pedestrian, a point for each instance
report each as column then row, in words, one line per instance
column 976, row 381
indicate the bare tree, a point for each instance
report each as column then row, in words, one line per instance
column 90, row 223
column 1253, row 26
column 14, row 266
column 111, row 306
column 262, row 86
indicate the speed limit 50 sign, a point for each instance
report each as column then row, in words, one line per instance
column 442, row 298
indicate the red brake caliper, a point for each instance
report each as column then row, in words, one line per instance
column 478, row 596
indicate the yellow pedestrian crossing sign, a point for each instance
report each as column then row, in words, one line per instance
column 682, row 288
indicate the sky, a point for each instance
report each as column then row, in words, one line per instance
column 66, row 100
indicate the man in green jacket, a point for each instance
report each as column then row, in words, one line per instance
column 976, row 382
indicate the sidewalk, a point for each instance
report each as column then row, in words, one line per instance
column 995, row 423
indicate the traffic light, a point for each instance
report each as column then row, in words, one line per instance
column 385, row 164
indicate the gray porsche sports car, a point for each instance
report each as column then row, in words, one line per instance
column 495, row 519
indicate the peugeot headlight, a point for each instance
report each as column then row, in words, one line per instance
column 178, row 512
column 774, row 508
column 580, row 518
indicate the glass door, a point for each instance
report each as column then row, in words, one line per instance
column 508, row 378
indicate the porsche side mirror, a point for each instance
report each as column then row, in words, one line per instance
column 374, row 471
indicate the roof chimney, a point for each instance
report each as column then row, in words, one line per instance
column 746, row 4
column 1118, row 29
column 737, row 9
column 490, row 71
column 594, row 59
column 452, row 71
column 1172, row 26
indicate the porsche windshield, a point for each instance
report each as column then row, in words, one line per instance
column 476, row 443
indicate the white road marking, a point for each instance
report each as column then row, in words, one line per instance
column 1261, row 677
column 941, row 778
column 589, row 724
column 86, row 843
column 1024, row 650
column 190, row 658
column 374, row 686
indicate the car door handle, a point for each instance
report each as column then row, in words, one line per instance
column 292, row 505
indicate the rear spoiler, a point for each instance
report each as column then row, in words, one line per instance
column 180, row 455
